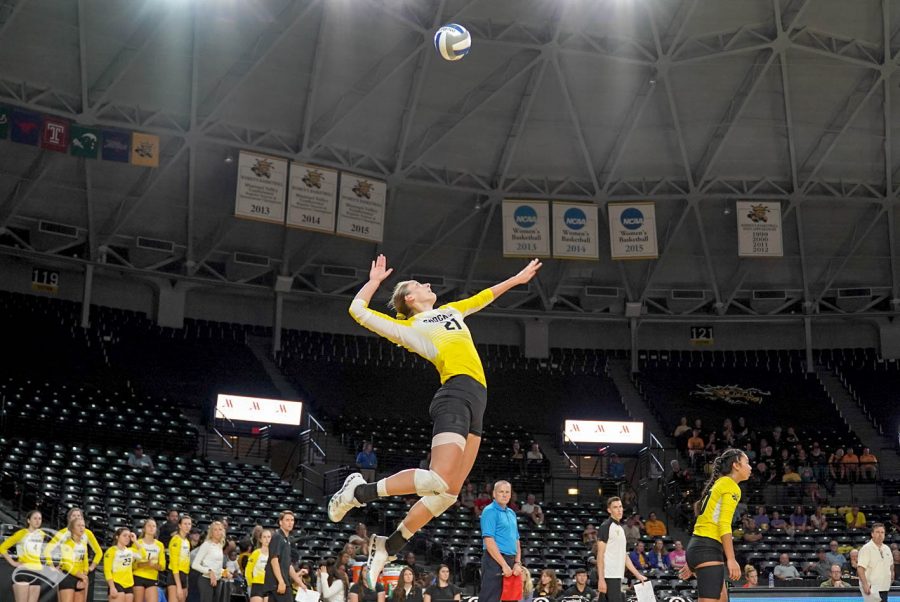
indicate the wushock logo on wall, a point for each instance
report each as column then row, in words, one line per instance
column 732, row 394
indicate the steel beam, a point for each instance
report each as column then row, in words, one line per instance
column 8, row 12
column 309, row 105
column 710, row 270
column 28, row 181
column 576, row 123
column 853, row 248
column 662, row 255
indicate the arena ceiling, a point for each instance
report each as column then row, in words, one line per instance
column 693, row 104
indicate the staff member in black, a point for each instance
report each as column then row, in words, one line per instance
column 612, row 554
column 580, row 591
column 503, row 552
column 280, row 570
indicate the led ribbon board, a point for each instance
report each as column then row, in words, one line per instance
column 259, row 410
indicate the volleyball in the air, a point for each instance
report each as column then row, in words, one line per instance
column 452, row 41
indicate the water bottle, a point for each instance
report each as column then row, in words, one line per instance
column 772, row 579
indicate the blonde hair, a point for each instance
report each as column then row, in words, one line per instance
column 209, row 532
column 398, row 300
column 143, row 530
column 528, row 583
column 748, row 568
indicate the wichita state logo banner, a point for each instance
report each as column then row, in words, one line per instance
column 361, row 209
column 144, row 150
column 759, row 229
column 312, row 198
column 261, row 187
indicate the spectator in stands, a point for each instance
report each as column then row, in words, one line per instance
column 799, row 520
column 742, row 432
column 695, row 445
column 855, row 519
column 629, row 502
column 677, row 557
column 548, row 585
column 616, row 469
column 483, row 499
column 790, row 475
column 818, row 520
column 893, row 525
column 896, row 555
column 632, row 530
column 367, row 461
column 580, row 590
column 332, row 582
column 589, row 536
column 850, row 465
column 532, row 510
column 777, row 522
column 517, row 456
column 467, row 497
column 712, row 445
column 727, row 435
column 751, row 532
column 853, row 562
column 138, row 459
column 751, row 576
column 876, row 566
column 834, row 578
column 169, row 527
column 118, row 561
column 761, row 519
column 681, row 431
column 360, row 540
column 360, row 591
column 658, row 558
column 410, row 561
column 818, row 461
column 29, row 542
column 535, row 459
column 835, row 464
column 821, row 568
column 209, row 562
column 868, row 464
column 639, row 557
column 407, row 590
column 785, row 571
column 833, row 555
column 751, row 454
column 655, row 527
column 810, row 484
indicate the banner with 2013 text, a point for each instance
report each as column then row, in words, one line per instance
column 261, row 187
column 526, row 228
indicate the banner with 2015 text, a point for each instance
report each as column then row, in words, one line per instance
column 632, row 230
column 261, row 187
column 526, row 228
column 361, row 207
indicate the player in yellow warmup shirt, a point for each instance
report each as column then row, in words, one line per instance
column 62, row 534
column 255, row 571
column 29, row 543
column 179, row 562
column 118, row 566
column 73, row 561
column 153, row 560
column 439, row 335
column 711, row 549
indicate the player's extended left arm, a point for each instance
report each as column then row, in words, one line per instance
column 523, row 277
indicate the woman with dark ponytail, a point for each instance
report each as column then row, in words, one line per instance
column 711, row 547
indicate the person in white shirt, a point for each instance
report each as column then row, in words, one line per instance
column 875, row 567
column 210, row 562
column 785, row 570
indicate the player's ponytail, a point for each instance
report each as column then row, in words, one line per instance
column 398, row 300
column 721, row 466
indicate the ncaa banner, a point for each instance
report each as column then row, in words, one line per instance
column 575, row 231
column 759, row 229
column 526, row 228
column 261, row 187
column 632, row 230
column 312, row 198
column 144, row 150
column 361, row 209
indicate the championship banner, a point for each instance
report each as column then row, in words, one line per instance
column 526, row 228
column 361, row 209
column 144, row 150
column 4, row 121
column 632, row 230
column 55, row 134
column 85, row 141
column 759, row 229
column 116, row 146
column 312, row 198
column 261, row 185
column 575, row 231
column 26, row 127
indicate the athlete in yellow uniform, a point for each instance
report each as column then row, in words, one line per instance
column 153, row 560
column 179, row 562
column 29, row 544
column 711, row 546
column 62, row 534
column 118, row 566
column 255, row 571
column 442, row 337
column 73, row 561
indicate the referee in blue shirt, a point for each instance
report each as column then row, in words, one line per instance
column 503, row 554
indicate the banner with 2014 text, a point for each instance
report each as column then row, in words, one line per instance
column 261, row 187
column 575, row 231
column 312, row 198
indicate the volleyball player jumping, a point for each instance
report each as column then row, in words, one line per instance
column 711, row 547
column 441, row 336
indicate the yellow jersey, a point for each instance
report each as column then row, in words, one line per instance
column 179, row 555
column 118, row 565
column 438, row 335
column 29, row 546
column 153, row 553
column 717, row 509
column 63, row 535
column 73, row 555
column 255, row 572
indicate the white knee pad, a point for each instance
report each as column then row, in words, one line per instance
column 438, row 504
column 428, row 482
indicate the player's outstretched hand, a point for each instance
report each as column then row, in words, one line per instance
column 529, row 271
column 379, row 270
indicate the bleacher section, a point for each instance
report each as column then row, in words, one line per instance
column 872, row 380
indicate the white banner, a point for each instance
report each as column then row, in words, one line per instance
column 312, row 198
column 604, row 431
column 261, row 184
column 526, row 228
column 575, row 231
column 759, row 229
column 632, row 230
column 361, row 210
column 258, row 409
